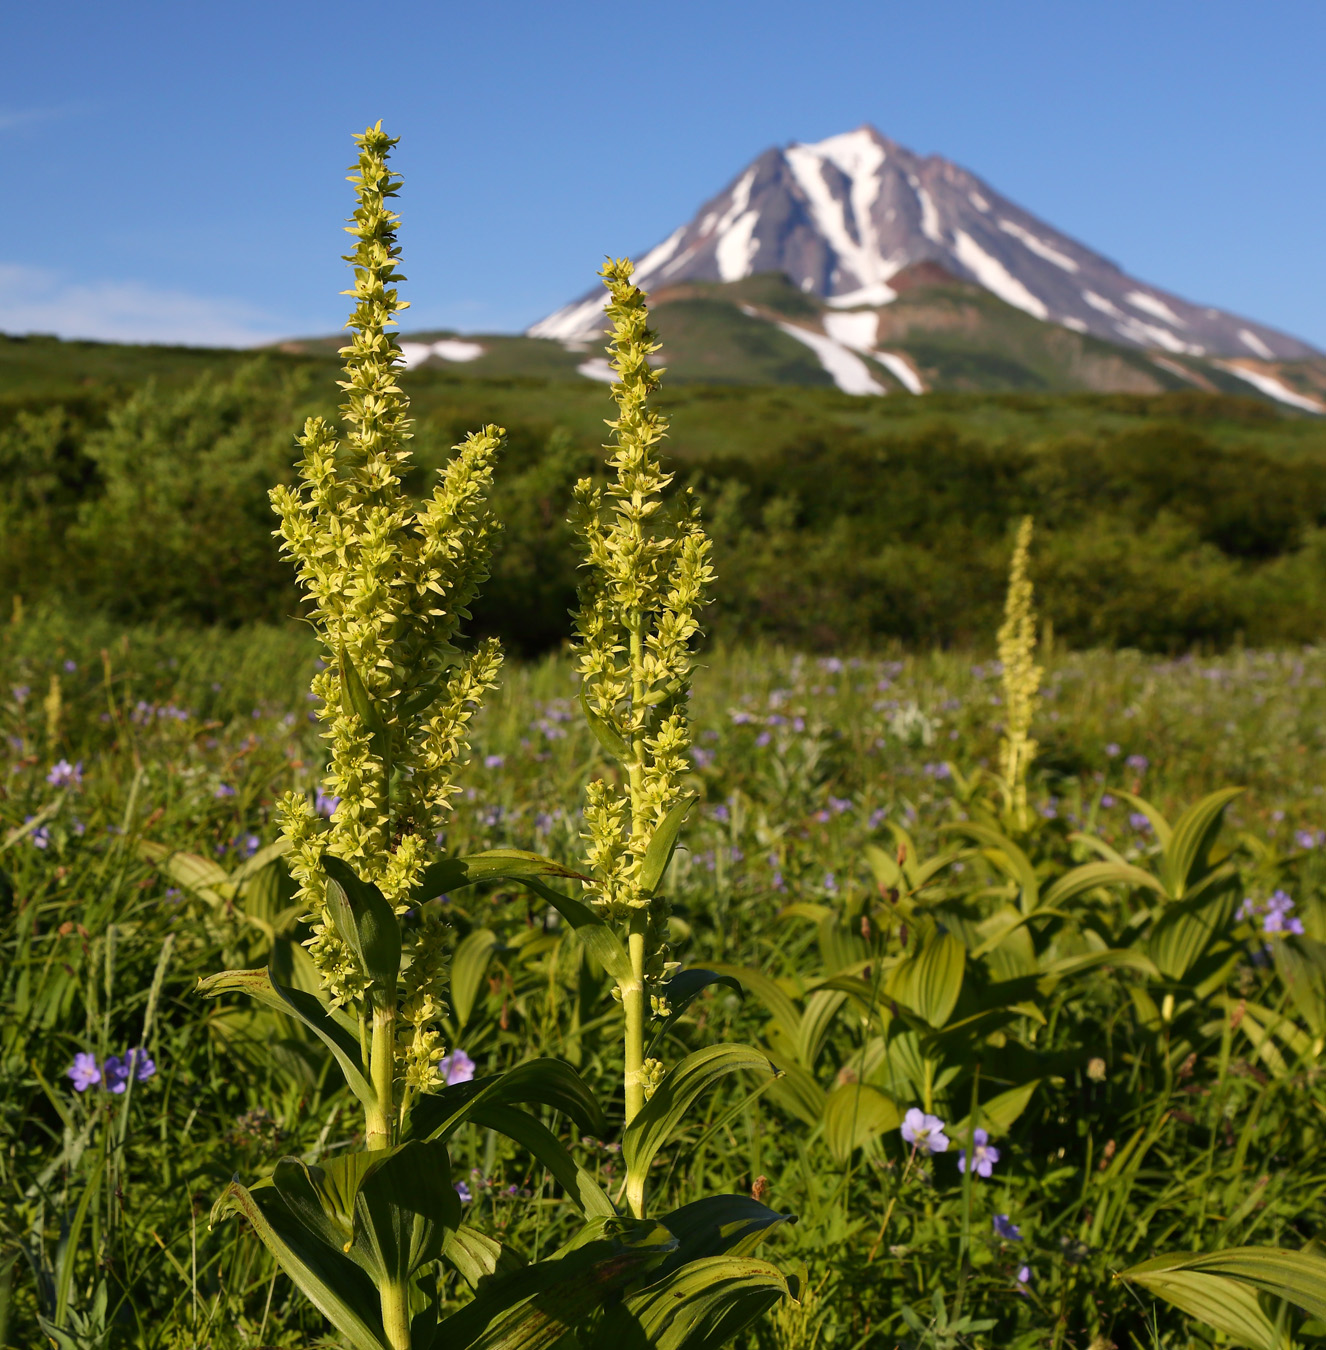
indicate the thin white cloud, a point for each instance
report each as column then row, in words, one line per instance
column 34, row 300
column 13, row 118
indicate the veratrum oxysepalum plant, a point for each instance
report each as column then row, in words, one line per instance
column 366, row 1235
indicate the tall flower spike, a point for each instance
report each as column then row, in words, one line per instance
column 1021, row 675
column 387, row 585
column 648, row 570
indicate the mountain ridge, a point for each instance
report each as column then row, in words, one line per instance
column 842, row 217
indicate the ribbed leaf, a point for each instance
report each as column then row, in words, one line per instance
column 336, row 1287
column 549, row 1082
column 998, row 1115
column 769, row 992
column 700, row 1306
column 604, row 732
column 1163, row 830
column 1301, row 964
column 1187, row 852
column 685, row 987
column 1217, row 1287
column 1090, row 875
column 581, row 1188
column 536, row 1306
column 663, row 845
column 930, row 982
column 469, row 964
column 364, row 920
column 719, row 1225
column 405, row 1209
column 673, row 1097
column 854, row 1114
column 816, row 1023
column 479, row 1257
column 1006, row 856
column 332, row 1030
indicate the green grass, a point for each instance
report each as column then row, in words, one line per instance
column 1192, row 1139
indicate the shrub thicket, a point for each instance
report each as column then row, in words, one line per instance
column 1160, row 533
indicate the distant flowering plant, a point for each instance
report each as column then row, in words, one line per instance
column 1006, row 1229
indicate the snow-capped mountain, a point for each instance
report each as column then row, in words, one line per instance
column 843, row 216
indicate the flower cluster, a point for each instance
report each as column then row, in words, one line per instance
column 387, row 586
column 1276, row 915
column 113, row 1073
column 1021, row 674
column 648, row 570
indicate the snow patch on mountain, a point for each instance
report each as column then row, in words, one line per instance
column 1038, row 246
column 1255, row 345
column 448, row 349
column 994, row 276
column 901, row 370
column 1272, row 387
column 1152, row 304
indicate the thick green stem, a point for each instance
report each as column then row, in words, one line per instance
column 396, row 1315
column 633, row 1004
column 379, row 1133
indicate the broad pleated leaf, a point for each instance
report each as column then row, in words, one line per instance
column 1187, row 853
column 700, row 1306
column 605, row 733
column 685, row 987
column 364, row 920
column 479, row 1257
column 469, row 964
column 719, row 1225
column 1219, row 1288
column 673, row 1098
column 331, row 1028
column 662, row 846
column 1089, row 876
column 535, row 1307
column 334, row 1284
column 548, row 1082
column 930, row 982
column 998, row 1115
column 581, row 1188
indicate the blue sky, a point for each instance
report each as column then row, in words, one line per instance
column 175, row 172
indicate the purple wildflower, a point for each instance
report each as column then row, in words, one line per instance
column 457, row 1067
column 1024, row 1274
column 984, row 1155
column 40, row 837
column 115, row 1074
column 223, row 790
column 64, row 774
column 1139, row 821
column 1006, row 1229
column 70, row 667
column 325, row 803
column 1138, row 763
column 924, row 1131
column 140, row 1064
column 462, row 1190
column 1112, row 750
column 84, row 1072
column 493, row 761
column 1305, row 839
